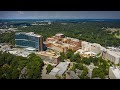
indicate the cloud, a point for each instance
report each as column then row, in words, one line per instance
column 20, row 12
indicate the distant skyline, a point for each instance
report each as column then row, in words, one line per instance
column 59, row 14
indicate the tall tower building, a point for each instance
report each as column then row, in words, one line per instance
column 29, row 40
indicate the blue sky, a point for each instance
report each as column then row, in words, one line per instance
column 59, row 14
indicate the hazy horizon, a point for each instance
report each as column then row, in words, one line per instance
column 60, row 18
column 59, row 14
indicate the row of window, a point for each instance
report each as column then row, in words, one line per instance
column 23, row 36
column 27, row 43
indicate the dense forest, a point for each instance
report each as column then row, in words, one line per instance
column 88, row 31
column 94, row 32
column 17, row 67
column 7, row 38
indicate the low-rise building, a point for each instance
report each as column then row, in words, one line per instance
column 60, row 69
column 71, row 75
column 49, row 57
column 20, row 52
column 5, row 47
column 61, row 43
column 86, row 53
column 8, row 30
column 114, row 73
column 92, row 47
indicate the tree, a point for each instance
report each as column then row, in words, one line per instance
column 15, row 73
column 0, row 73
column 6, row 70
column 58, row 77
column 74, row 66
column 7, row 38
column 49, row 68
column 62, row 56
column 84, row 73
column 69, row 54
column 86, row 61
column 31, row 56
column 96, row 32
column 75, row 57
column 11, row 66
column 30, row 74
column 98, row 72
column 80, row 66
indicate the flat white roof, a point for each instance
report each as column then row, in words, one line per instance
column 54, row 71
column 60, row 68
column 116, row 72
column 30, row 48
column 62, row 65
column 61, row 71
column 79, row 50
column 89, row 53
column 30, row 34
column 58, row 34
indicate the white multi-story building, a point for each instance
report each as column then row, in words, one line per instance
column 111, row 55
column 91, row 47
column 114, row 73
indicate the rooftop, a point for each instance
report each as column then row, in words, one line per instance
column 59, row 69
column 30, row 48
column 30, row 34
column 20, row 52
column 114, row 53
column 54, row 71
column 116, row 71
column 59, row 34
column 47, row 53
column 73, row 75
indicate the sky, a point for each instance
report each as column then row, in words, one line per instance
column 59, row 14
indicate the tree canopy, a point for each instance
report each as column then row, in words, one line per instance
column 49, row 68
column 11, row 66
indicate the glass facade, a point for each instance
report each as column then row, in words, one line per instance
column 26, row 40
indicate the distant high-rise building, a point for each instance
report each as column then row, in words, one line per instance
column 29, row 40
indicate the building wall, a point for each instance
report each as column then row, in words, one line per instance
column 24, row 40
column 56, row 48
column 106, row 55
column 62, row 44
column 96, row 49
column 61, row 48
column 112, row 73
column 50, row 59
column 91, row 47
